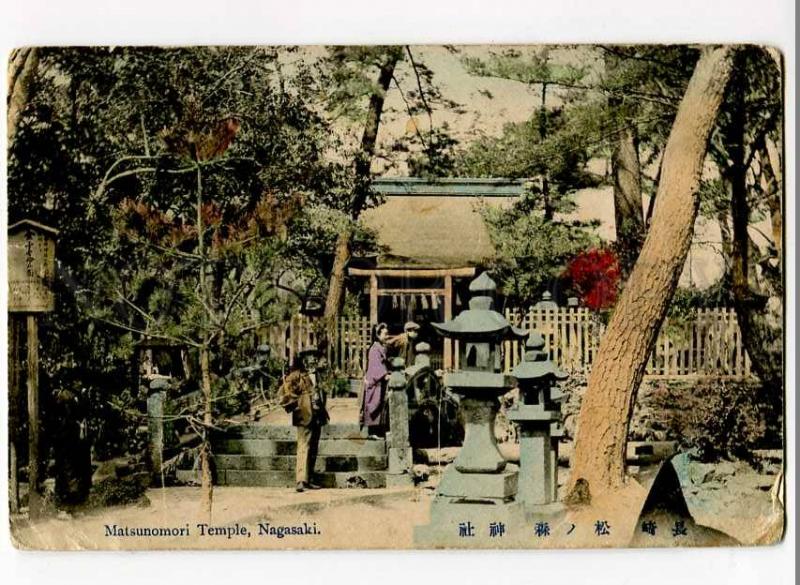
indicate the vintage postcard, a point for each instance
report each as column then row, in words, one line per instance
column 397, row 297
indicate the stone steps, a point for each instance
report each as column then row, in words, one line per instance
column 343, row 479
column 264, row 455
column 287, row 463
column 327, row 447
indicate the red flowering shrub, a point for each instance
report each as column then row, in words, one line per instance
column 595, row 277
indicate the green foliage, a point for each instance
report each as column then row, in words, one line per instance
column 119, row 491
column 721, row 419
column 348, row 81
column 531, row 67
column 532, row 252
column 109, row 151
column 521, row 152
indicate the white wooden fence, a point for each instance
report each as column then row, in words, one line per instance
column 708, row 344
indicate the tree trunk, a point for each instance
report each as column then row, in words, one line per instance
column 599, row 459
column 207, row 486
column 626, row 170
column 335, row 298
column 22, row 70
column 773, row 173
column 761, row 339
column 725, row 242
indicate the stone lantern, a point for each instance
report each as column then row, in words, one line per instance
column 538, row 414
column 479, row 488
column 547, row 303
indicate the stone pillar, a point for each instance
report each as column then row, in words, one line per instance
column 535, row 463
column 397, row 439
column 155, row 427
column 537, row 471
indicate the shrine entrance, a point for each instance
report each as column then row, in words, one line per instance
column 422, row 295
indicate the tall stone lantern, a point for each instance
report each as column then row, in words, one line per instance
column 538, row 414
column 479, row 488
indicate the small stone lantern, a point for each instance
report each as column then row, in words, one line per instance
column 478, row 488
column 547, row 303
column 538, row 414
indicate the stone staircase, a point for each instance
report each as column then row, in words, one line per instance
column 264, row 455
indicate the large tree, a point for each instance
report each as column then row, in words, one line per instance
column 599, row 459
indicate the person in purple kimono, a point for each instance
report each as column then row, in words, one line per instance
column 373, row 412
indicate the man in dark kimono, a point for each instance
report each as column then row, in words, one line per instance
column 300, row 395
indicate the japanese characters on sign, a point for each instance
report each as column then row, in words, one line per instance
column 31, row 267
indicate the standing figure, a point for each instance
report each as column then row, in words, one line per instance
column 300, row 395
column 373, row 412
column 403, row 344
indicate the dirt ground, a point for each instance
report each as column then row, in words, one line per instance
column 730, row 498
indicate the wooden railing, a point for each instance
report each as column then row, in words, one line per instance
column 707, row 344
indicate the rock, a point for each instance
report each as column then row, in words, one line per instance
column 660, row 435
column 436, row 456
column 725, row 468
column 420, row 473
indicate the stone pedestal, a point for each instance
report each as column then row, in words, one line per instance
column 478, row 490
column 538, row 466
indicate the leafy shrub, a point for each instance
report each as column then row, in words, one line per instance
column 721, row 419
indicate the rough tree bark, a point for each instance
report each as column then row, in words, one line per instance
column 22, row 70
column 363, row 163
column 599, row 459
column 626, row 171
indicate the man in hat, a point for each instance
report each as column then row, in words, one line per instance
column 300, row 395
column 403, row 344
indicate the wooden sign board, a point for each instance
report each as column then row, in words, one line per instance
column 31, row 267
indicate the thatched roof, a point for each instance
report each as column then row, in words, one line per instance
column 435, row 224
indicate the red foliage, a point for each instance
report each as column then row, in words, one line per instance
column 595, row 277
column 270, row 217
